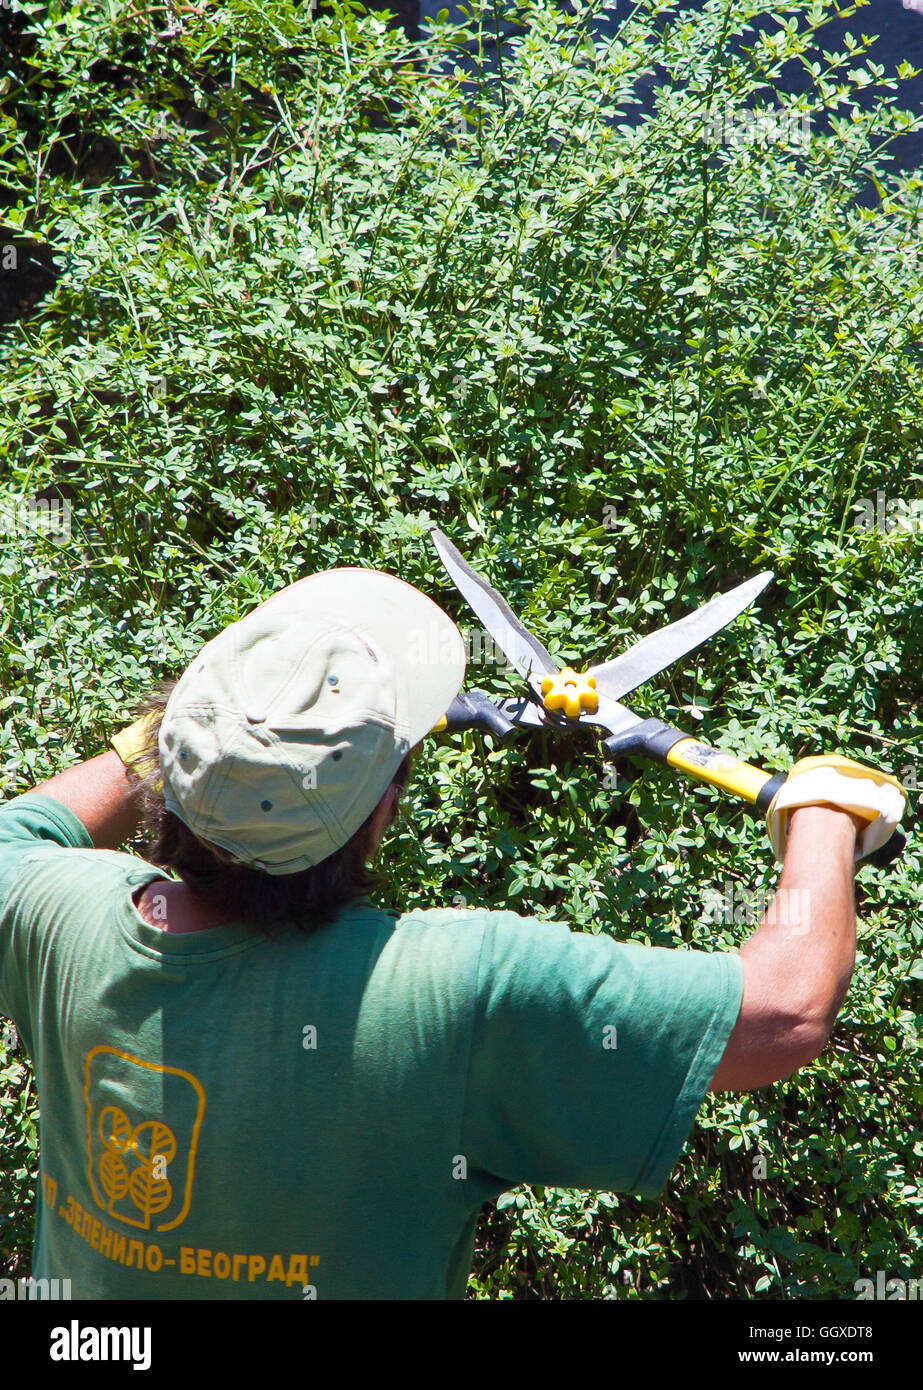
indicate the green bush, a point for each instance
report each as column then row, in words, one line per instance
column 320, row 288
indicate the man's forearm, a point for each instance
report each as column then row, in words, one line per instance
column 807, row 940
column 101, row 796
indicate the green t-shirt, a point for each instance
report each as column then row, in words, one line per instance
column 225, row 1116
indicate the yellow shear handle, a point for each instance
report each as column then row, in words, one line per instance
column 723, row 770
column 743, row 780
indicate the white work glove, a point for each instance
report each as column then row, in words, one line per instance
column 833, row 780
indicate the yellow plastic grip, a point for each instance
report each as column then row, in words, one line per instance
column 439, row 725
column 571, row 692
column 718, row 769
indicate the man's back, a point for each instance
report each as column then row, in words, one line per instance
column 225, row 1115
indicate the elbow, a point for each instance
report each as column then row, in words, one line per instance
column 802, row 1035
column 809, row 1043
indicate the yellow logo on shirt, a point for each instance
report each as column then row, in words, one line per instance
column 140, row 1168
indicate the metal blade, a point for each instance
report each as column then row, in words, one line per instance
column 660, row 649
column 520, row 648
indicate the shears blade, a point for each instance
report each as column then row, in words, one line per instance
column 652, row 654
column 520, row 648
column 646, row 658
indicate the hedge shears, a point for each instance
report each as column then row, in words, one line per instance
column 561, row 698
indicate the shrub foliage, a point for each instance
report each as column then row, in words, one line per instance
column 319, row 287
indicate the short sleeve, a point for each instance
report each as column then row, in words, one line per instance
column 34, row 817
column 31, row 825
column 590, row 1057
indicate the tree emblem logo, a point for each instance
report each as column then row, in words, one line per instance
column 142, row 1131
column 135, row 1162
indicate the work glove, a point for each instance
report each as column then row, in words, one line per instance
column 131, row 744
column 832, row 780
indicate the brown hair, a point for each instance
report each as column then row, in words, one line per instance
column 270, row 902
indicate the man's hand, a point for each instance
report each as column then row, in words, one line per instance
column 875, row 799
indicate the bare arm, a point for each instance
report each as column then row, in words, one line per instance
column 99, row 794
column 798, row 963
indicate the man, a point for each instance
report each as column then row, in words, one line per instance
column 256, row 1084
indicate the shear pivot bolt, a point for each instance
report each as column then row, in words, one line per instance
column 571, row 692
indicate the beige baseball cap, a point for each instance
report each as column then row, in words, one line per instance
column 282, row 736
